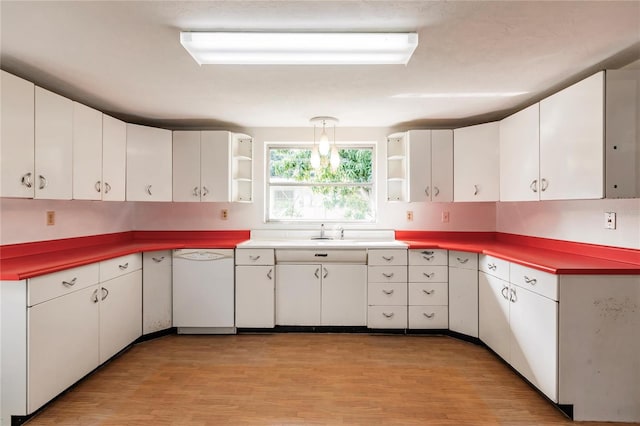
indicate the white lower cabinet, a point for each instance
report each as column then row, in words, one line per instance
column 156, row 291
column 463, row 293
column 63, row 344
column 298, row 294
column 344, row 295
column 387, row 289
column 428, row 289
column 255, row 296
column 493, row 311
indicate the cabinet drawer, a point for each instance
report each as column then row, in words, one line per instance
column 115, row 267
column 387, row 257
column 254, row 257
column 463, row 260
column 387, row 274
column 387, row 294
column 424, row 274
column 49, row 286
column 494, row 266
column 428, row 294
column 429, row 317
column 539, row 282
column 387, row 317
column 428, row 257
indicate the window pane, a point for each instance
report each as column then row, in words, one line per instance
column 294, row 165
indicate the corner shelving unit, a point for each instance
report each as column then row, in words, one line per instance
column 242, row 168
column 397, row 167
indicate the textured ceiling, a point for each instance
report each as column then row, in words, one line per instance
column 125, row 58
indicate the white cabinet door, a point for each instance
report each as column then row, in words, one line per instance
column 148, row 164
column 476, row 167
column 533, row 345
column 215, row 160
column 63, row 344
column 572, row 142
column 156, row 291
column 493, row 313
column 120, row 313
column 53, row 145
column 344, row 295
column 255, row 296
column 519, row 155
column 186, row 166
column 442, row 166
column 298, row 291
column 463, row 301
column 87, row 153
column 419, row 142
column 114, row 158
column 17, row 137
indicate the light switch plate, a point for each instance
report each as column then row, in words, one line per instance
column 610, row 220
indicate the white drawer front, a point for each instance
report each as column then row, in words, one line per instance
column 428, row 294
column 387, row 294
column 254, row 257
column 387, row 317
column 420, row 274
column 428, row 317
column 542, row 283
column 387, row 274
column 494, row 266
column 428, row 257
column 387, row 257
column 463, row 260
column 115, row 267
column 46, row 287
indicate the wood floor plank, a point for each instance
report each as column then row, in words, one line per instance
column 303, row 379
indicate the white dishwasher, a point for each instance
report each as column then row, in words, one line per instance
column 203, row 291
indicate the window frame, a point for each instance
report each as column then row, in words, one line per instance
column 372, row 145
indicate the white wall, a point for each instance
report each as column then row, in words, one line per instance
column 25, row 220
column 581, row 221
column 200, row 216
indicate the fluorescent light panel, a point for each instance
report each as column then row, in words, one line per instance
column 299, row 48
column 458, row 95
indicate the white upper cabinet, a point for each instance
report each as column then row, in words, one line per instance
column 87, row 153
column 520, row 156
column 53, row 145
column 17, row 137
column 148, row 163
column 114, row 158
column 186, row 166
column 215, row 159
column 242, row 168
column 476, row 171
column 572, row 142
column 420, row 166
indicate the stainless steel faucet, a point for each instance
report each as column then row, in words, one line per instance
column 322, row 230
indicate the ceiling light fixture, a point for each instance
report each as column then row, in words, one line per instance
column 458, row 95
column 291, row 48
column 321, row 150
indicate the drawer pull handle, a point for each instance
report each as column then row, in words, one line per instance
column 94, row 296
column 492, row 266
column 428, row 292
column 427, row 252
column 254, row 258
column 158, row 259
column 514, row 296
column 123, row 267
column 386, row 315
column 105, row 293
column 26, row 180
column 70, row 283
column 388, row 258
column 431, row 315
column 387, row 275
column 387, row 292
column 427, row 258
column 270, row 274
column 321, row 254
column 531, row 281
column 504, row 292
column 461, row 260
column 431, row 275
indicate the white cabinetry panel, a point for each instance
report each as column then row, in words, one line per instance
column 87, row 153
column 476, row 166
column 114, row 158
column 255, row 295
column 156, row 291
column 149, row 164
column 298, row 294
column 344, row 295
column 186, row 166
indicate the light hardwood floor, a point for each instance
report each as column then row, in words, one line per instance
column 300, row 379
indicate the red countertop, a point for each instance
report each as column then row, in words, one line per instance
column 554, row 256
column 20, row 261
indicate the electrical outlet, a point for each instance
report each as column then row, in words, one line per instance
column 445, row 217
column 224, row 214
column 409, row 215
column 610, row 220
column 51, row 218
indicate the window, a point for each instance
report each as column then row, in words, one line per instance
column 297, row 192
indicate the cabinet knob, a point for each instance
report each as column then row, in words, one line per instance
column 431, row 315
column 430, row 275
column 388, row 258
column 387, row 275
column 387, row 292
column 387, row 315
column 26, row 180
column 461, row 260
column 428, row 292
column 158, row 259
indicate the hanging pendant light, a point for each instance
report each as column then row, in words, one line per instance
column 325, row 147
